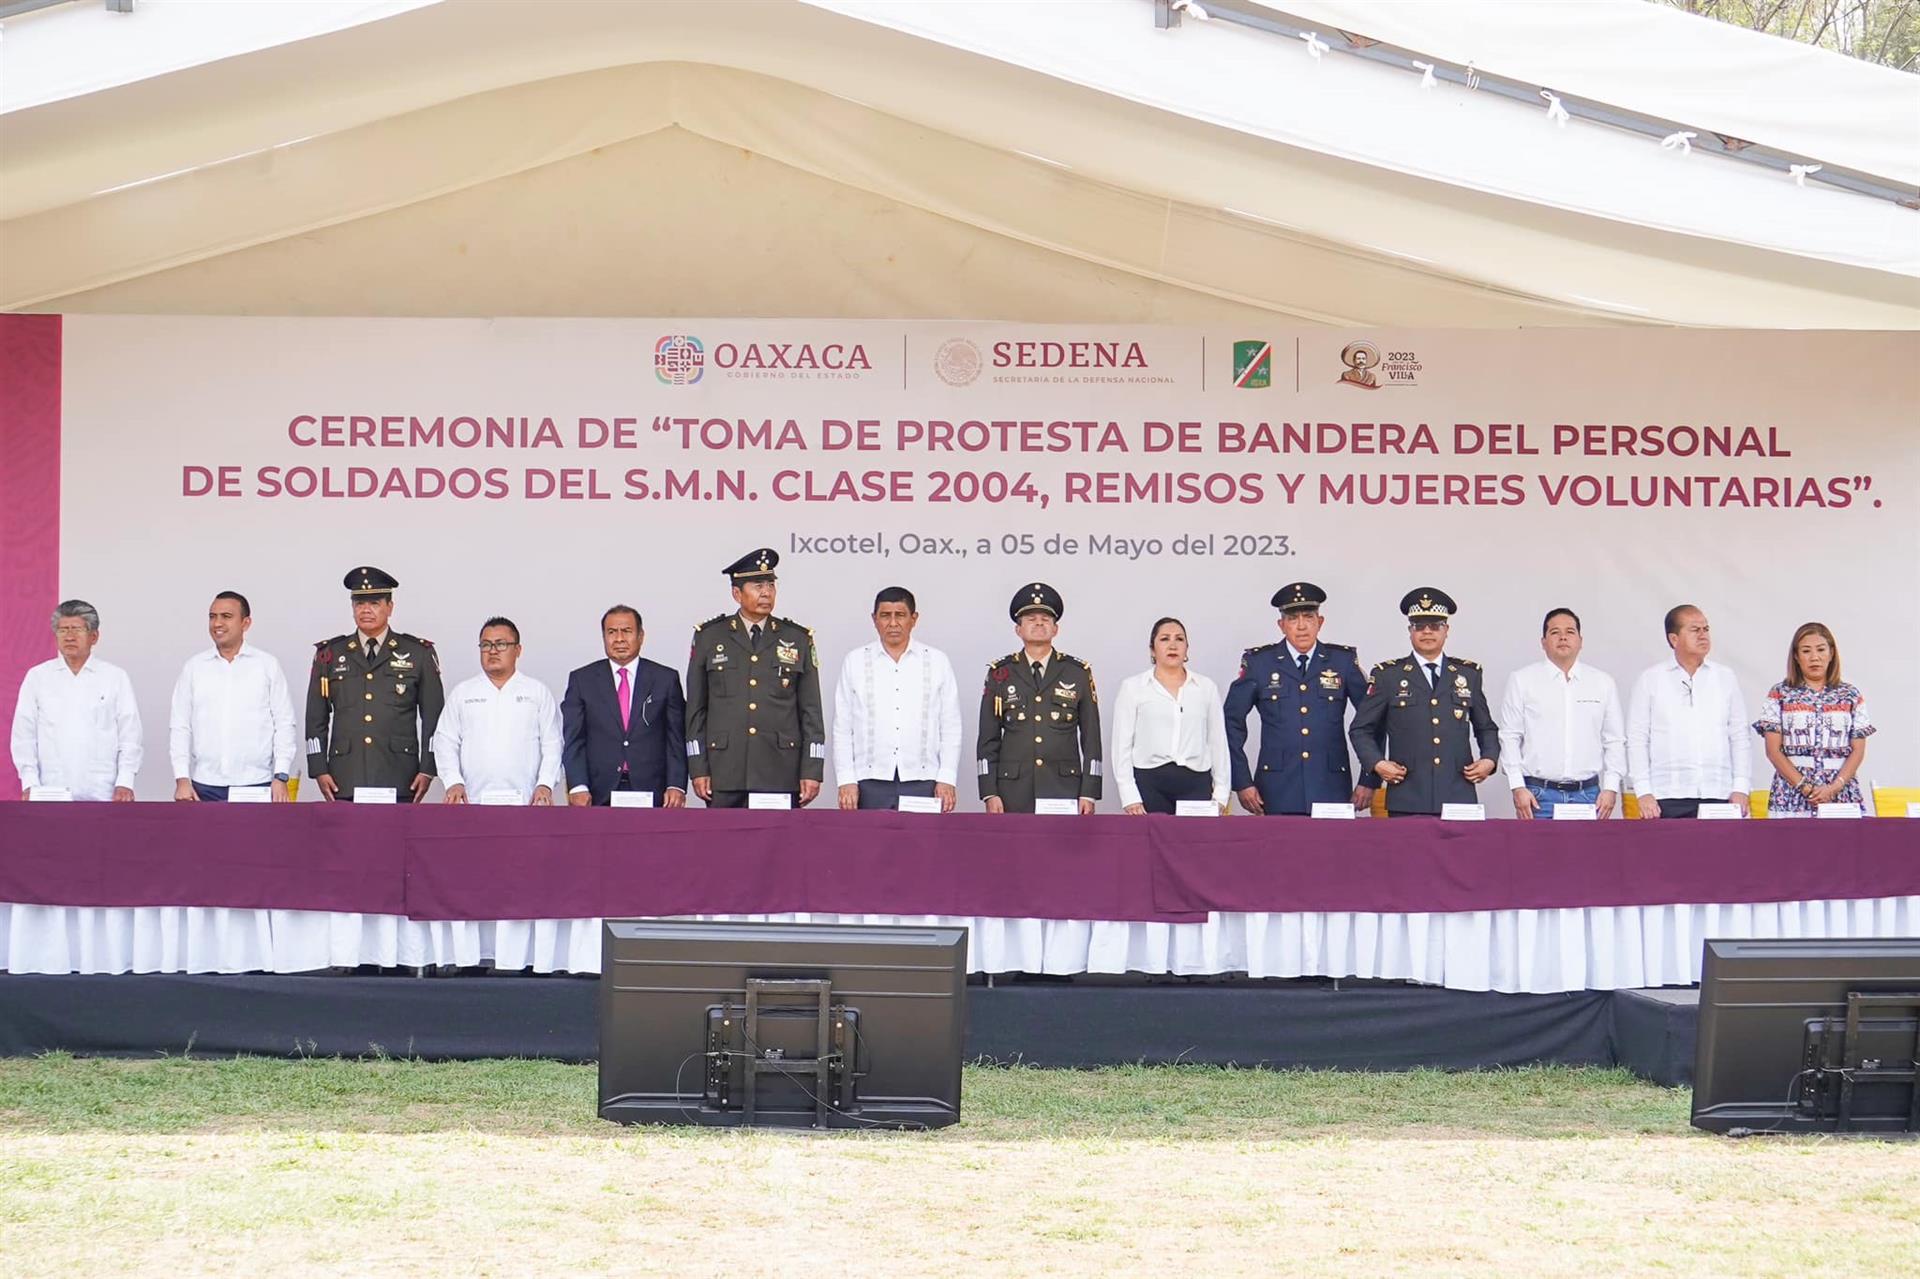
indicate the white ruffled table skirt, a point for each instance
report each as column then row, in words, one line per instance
column 1512, row 951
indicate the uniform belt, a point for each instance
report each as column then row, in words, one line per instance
column 1545, row 783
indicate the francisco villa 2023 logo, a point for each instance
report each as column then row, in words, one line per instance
column 1370, row 369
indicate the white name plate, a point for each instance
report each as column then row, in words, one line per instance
column 1057, row 807
column 1838, row 810
column 249, row 794
column 501, row 798
column 1720, row 812
column 1913, row 808
column 1195, row 808
column 1463, row 812
column 1576, row 812
column 769, row 799
column 49, row 795
column 1333, row 812
column 376, row 795
column 919, row 803
column 630, row 798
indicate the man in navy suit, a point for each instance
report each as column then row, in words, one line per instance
column 625, row 721
column 1301, row 686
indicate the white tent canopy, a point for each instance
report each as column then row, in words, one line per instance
column 1036, row 161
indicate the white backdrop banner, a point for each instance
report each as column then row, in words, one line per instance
column 546, row 469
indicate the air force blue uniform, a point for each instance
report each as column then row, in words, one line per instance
column 1303, row 738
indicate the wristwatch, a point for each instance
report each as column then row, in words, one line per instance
column 280, row 777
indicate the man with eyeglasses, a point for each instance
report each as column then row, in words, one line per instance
column 1425, row 729
column 76, row 726
column 1688, row 742
column 373, row 700
column 499, row 738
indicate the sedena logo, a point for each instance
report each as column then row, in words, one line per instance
column 1252, row 364
column 679, row 359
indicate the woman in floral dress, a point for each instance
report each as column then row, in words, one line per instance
column 1815, row 727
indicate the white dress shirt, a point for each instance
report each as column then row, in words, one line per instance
column 1562, row 727
column 1687, row 736
column 232, row 722
column 80, row 731
column 1152, row 727
column 505, row 738
column 896, row 716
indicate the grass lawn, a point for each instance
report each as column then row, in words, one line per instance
column 402, row 1167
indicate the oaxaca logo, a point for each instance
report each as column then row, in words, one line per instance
column 1252, row 364
column 679, row 359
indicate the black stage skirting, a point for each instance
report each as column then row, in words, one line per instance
column 1076, row 1023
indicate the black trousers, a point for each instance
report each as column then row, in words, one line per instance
column 1161, row 787
column 880, row 793
column 1684, row 807
column 739, row 799
column 216, row 794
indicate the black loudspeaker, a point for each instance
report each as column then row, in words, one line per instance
column 784, row 1025
column 1808, row 1035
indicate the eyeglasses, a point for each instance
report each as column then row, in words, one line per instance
column 498, row 646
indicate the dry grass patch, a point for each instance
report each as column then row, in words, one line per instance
column 501, row 1168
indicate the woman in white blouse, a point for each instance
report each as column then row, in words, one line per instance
column 1169, row 731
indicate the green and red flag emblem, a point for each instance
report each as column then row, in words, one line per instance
column 1252, row 364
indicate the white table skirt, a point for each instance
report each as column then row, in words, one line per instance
column 1530, row 951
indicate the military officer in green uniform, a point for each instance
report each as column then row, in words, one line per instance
column 373, row 700
column 1425, row 729
column 753, row 697
column 1039, row 715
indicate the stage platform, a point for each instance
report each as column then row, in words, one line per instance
column 1082, row 1021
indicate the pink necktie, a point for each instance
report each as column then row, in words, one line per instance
column 626, row 701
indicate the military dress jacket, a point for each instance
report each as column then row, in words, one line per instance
column 1039, row 739
column 754, row 721
column 1303, row 725
column 371, row 722
column 1433, row 732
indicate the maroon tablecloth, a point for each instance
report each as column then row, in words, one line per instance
column 438, row 862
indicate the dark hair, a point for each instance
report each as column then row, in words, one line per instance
column 1154, row 634
column 638, row 625
column 1547, row 621
column 246, row 609
column 1674, row 615
column 895, row 595
column 507, row 623
column 1797, row 677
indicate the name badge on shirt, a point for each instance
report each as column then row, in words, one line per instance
column 375, row 795
column 919, row 803
column 1576, row 812
column 249, row 795
column 1838, row 810
column 630, row 798
column 1719, row 813
column 769, row 799
column 501, row 798
column 1195, row 808
column 1056, row 807
column 1341, row 812
column 1463, row 812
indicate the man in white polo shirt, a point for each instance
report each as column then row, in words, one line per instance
column 1687, row 737
column 500, row 731
column 76, row 726
column 896, row 715
column 1562, row 733
column 232, row 721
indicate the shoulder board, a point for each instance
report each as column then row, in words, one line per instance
column 1467, row 661
column 1261, row 648
column 1069, row 657
column 323, row 649
column 423, row 641
column 718, row 617
column 1381, row 666
column 1338, row 648
column 998, row 662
